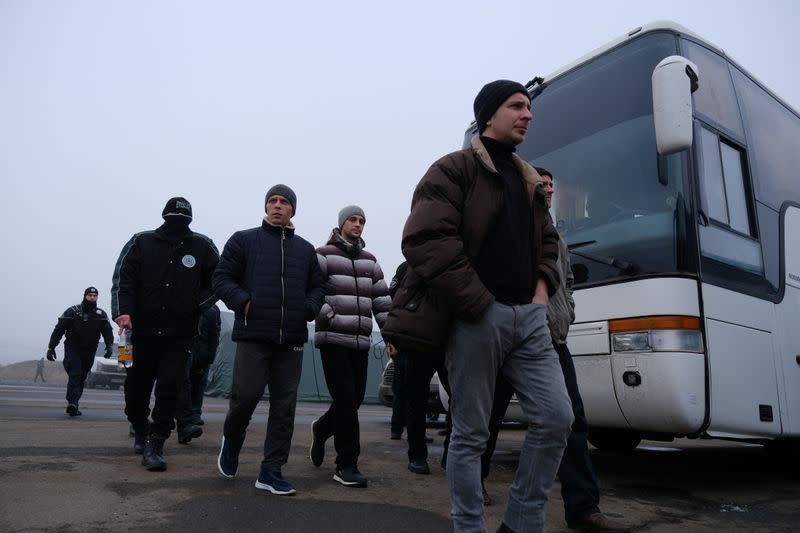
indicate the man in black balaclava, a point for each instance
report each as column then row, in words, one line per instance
column 83, row 324
column 161, row 285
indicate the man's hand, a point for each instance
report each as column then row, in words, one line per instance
column 540, row 296
column 107, row 355
column 124, row 322
column 51, row 354
column 390, row 349
column 246, row 308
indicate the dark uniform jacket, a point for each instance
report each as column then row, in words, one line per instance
column 83, row 326
column 354, row 291
column 452, row 212
column 164, row 282
column 278, row 273
column 206, row 342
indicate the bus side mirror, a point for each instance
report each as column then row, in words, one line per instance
column 674, row 80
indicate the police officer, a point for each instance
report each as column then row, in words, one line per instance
column 83, row 325
column 161, row 285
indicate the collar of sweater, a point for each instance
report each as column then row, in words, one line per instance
column 346, row 246
column 266, row 224
column 532, row 179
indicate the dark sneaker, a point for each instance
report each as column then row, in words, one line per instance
column 153, row 456
column 228, row 459
column 419, row 467
column 396, row 436
column 188, row 433
column 274, row 482
column 198, row 421
column 317, row 451
column 349, row 476
column 598, row 523
column 72, row 410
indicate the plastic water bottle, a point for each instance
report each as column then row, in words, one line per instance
column 125, row 349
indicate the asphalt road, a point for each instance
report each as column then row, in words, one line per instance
column 79, row 474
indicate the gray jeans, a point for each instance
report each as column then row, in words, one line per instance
column 514, row 341
column 260, row 364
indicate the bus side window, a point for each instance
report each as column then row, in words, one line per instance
column 726, row 199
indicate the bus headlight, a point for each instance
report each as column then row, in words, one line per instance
column 657, row 334
column 631, row 342
column 659, row 340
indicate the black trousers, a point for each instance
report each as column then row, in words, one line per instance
column 193, row 385
column 258, row 365
column 346, row 375
column 399, row 404
column 579, row 488
column 77, row 363
column 419, row 369
column 160, row 362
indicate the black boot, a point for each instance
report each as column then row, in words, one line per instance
column 139, row 437
column 153, row 458
column 187, row 433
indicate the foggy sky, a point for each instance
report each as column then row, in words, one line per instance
column 107, row 109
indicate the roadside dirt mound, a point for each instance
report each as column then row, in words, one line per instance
column 26, row 370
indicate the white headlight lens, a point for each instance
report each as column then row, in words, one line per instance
column 631, row 342
column 659, row 340
column 676, row 340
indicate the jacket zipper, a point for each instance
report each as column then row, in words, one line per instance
column 283, row 286
column 358, row 301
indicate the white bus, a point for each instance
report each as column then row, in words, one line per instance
column 684, row 231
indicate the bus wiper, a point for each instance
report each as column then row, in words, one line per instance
column 624, row 266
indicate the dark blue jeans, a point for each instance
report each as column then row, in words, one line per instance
column 578, row 480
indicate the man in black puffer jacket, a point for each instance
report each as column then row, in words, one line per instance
column 161, row 285
column 270, row 278
column 354, row 291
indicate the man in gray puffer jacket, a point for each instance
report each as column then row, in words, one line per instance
column 354, row 291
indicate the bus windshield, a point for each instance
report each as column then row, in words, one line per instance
column 616, row 203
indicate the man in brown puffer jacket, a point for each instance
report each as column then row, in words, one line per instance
column 354, row 291
column 479, row 236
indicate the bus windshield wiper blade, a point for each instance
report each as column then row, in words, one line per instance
column 624, row 266
column 579, row 244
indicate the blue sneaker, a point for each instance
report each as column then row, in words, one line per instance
column 228, row 459
column 273, row 481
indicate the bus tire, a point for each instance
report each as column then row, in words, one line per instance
column 614, row 440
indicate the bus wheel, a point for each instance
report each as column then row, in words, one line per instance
column 614, row 440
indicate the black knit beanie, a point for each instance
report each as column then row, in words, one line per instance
column 177, row 207
column 282, row 190
column 491, row 97
column 90, row 290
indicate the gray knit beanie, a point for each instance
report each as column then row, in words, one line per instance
column 349, row 211
column 282, row 190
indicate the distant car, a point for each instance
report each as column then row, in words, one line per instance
column 105, row 373
column 386, row 396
